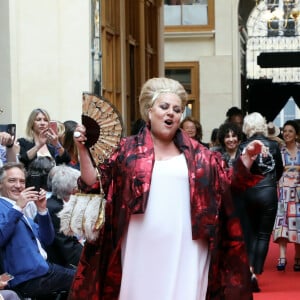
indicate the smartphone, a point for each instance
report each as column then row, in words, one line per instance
column 9, row 128
column 6, row 277
column 34, row 180
column 53, row 126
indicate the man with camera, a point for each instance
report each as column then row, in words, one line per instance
column 22, row 240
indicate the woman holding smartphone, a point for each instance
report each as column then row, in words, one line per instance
column 41, row 140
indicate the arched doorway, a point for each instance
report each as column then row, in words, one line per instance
column 270, row 48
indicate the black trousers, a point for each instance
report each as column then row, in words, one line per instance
column 57, row 279
column 257, row 212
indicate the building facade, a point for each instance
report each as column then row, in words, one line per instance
column 53, row 51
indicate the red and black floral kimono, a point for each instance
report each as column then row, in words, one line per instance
column 126, row 178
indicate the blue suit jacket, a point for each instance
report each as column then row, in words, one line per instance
column 19, row 248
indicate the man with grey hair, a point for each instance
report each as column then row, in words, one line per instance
column 22, row 240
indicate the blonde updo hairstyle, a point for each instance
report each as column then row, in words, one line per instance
column 152, row 90
column 255, row 123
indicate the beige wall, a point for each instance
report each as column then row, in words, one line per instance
column 45, row 52
column 5, row 74
column 218, row 56
column 46, row 58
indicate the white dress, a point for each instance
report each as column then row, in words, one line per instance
column 160, row 261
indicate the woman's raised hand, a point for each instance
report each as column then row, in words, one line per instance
column 79, row 136
column 251, row 151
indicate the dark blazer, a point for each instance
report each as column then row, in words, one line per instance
column 18, row 243
column 26, row 145
column 65, row 250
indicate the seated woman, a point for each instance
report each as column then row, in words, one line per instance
column 41, row 141
column 65, row 250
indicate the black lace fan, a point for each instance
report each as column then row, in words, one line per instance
column 104, row 126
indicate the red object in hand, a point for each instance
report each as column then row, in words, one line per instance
column 254, row 148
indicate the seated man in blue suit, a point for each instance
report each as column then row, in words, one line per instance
column 22, row 240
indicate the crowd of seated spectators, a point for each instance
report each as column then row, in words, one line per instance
column 38, row 173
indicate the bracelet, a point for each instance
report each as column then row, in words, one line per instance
column 9, row 146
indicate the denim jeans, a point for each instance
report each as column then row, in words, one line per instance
column 57, row 279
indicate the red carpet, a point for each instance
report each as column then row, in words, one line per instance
column 278, row 285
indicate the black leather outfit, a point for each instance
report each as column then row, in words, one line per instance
column 258, row 204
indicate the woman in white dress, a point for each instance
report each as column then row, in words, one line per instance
column 168, row 233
